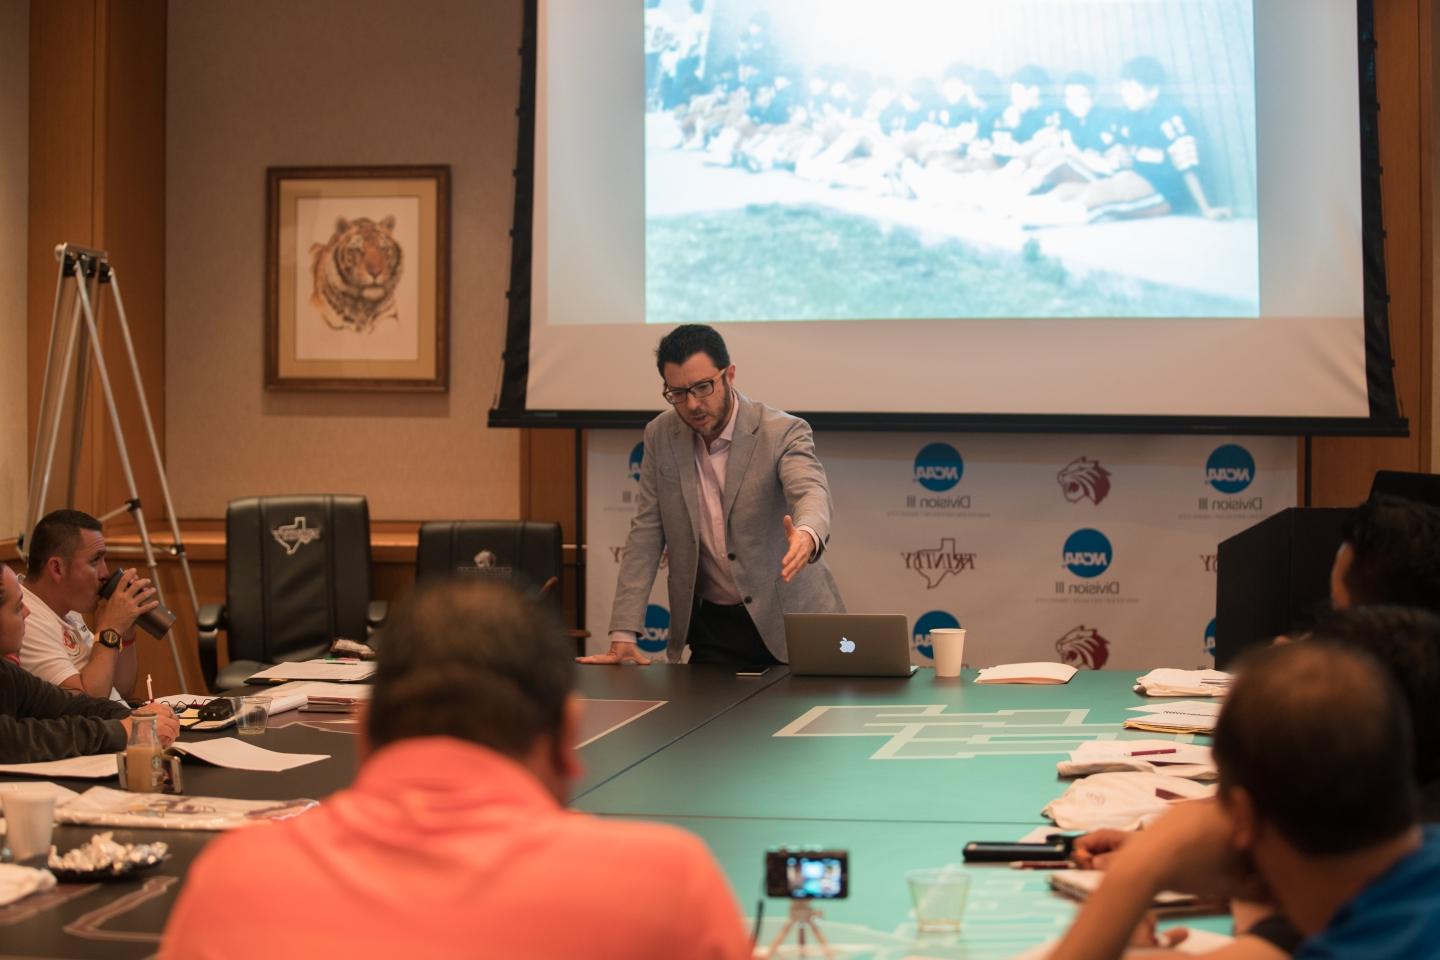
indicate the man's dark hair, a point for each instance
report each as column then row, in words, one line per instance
column 473, row 660
column 1396, row 553
column 57, row 535
column 1406, row 641
column 688, row 339
column 1319, row 737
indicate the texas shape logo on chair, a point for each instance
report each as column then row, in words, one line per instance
column 293, row 536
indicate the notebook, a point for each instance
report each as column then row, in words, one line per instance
column 848, row 645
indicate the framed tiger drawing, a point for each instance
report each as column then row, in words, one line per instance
column 357, row 275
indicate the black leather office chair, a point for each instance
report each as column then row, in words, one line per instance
column 525, row 552
column 297, row 576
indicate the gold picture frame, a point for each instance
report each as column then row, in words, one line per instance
column 357, row 272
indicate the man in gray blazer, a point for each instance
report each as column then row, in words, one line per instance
column 733, row 489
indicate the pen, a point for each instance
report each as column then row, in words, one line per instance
column 1042, row 865
column 1151, row 753
column 149, row 689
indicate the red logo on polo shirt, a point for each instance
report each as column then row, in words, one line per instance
column 72, row 640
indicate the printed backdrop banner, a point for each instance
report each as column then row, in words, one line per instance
column 1094, row 550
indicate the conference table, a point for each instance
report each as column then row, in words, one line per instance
column 899, row 772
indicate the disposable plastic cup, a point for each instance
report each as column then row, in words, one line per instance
column 938, row 894
column 252, row 716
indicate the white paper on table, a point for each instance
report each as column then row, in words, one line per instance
column 237, row 755
column 332, row 691
column 17, row 882
column 104, row 807
column 338, row 670
column 98, row 766
column 1027, row 673
column 1200, row 708
column 1172, row 682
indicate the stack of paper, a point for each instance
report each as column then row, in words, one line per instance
column 1027, row 673
column 102, row 806
column 1122, row 801
column 1187, row 716
column 1188, row 760
column 1168, row 682
column 339, row 671
column 323, row 697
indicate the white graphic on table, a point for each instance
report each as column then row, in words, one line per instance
column 928, row 732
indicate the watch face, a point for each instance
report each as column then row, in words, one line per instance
column 110, row 638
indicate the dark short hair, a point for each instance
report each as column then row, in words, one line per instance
column 1406, row 641
column 475, row 660
column 688, row 339
column 1318, row 736
column 57, row 535
column 1145, row 71
column 1396, row 553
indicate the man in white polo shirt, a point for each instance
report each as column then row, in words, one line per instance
column 62, row 584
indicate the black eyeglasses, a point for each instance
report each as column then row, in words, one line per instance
column 699, row 390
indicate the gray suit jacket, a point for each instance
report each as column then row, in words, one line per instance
column 772, row 471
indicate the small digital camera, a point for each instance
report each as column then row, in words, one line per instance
column 809, row 874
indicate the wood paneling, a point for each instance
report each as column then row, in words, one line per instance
column 97, row 178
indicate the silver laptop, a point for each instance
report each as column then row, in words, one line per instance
column 848, row 645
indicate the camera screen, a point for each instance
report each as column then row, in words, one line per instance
column 819, row 875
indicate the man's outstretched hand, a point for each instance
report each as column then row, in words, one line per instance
column 802, row 547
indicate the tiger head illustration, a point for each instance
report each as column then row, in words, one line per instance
column 1084, row 479
column 356, row 274
column 1083, row 648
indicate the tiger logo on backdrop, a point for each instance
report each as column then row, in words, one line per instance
column 1083, row 648
column 356, row 274
column 1084, row 479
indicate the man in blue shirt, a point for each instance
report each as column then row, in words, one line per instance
column 1317, row 804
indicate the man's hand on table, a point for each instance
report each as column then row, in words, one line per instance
column 167, row 725
column 620, row 651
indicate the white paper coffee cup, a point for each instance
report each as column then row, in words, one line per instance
column 948, row 648
column 29, row 821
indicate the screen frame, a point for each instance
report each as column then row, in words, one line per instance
column 1385, row 419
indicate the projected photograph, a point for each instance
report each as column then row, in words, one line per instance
column 844, row 159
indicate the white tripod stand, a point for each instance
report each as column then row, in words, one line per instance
column 91, row 271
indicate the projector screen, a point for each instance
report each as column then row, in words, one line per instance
column 1043, row 213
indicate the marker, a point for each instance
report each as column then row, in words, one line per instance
column 1151, row 753
column 149, row 689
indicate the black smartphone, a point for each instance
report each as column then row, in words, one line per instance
column 981, row 852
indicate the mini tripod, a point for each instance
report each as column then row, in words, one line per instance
column 802, row 917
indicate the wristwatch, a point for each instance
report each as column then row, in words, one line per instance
column 109, row 638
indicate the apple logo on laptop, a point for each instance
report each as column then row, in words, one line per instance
column 847, row 645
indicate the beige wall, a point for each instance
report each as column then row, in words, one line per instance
column 330, row 83
column 14, row 199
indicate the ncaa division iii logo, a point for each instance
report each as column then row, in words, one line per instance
column 1087, row 553
column 938, row 467
column 656, row 635
column 293, row 536
column 1230, row 468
